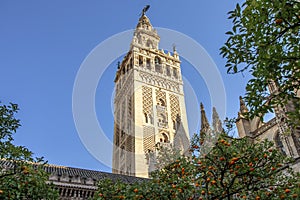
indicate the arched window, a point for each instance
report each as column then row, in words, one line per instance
column 157, row 62
column 122, row 150
column 140, row 60
column 161, row 102
column 279, row 143
column 166, row 139
column 175, row 74
column 131, row 63
column 149, row 43
column 146, row 117
column 148, row 63
column 168, row 71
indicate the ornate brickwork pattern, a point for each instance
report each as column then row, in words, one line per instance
column 117, row 127
column 175, row 108
column 160, row 80
column 148, row 139
column 130, row 143
column 147, row 100
column 123, row 111
column 129, row 112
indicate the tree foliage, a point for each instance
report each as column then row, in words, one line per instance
column 21, row 175
column 264, row 41
column 233, row 169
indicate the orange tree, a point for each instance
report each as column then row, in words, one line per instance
column 21, row 175
column 264, row 41
column 233, row 169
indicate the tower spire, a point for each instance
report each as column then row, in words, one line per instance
column 243, row 107
column 217, row 124
column 145, row 36
column 204, row 121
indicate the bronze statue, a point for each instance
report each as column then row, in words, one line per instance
column 145, row 9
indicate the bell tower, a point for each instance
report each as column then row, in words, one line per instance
column 149, row 106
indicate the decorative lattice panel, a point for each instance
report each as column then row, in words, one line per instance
column 117, row 128
column 175, row 108
column 160, row 95
column 148, row 139
column 129, row 102
column 123, row 111
column 130, row 143
column 147, row 100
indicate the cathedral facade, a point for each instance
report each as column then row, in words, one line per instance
column 277, row 129
column 149, row 106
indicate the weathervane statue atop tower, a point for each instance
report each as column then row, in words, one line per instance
column 145, row 9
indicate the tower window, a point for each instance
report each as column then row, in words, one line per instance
column 157, row 60
column 164, row 138
column 168, row 71
column 146, row 117
column 158, row 67
column 140, row 60
column 149, row 44
column 279, row 143
column 161, row 102
column 175, row 74
column 131, row 63
column 148, row 63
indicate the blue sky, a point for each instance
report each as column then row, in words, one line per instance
column 43, row 44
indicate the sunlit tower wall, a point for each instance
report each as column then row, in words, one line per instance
column 149, row 105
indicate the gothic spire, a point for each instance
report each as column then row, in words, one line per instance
column 204, row 121
column 144, row 23
column 243, row 108
column 217, row 124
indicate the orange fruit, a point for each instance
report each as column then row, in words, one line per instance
column 287, row 190
column 278, row 21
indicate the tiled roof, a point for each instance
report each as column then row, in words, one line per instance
column 85, row 173
column 82, row 173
